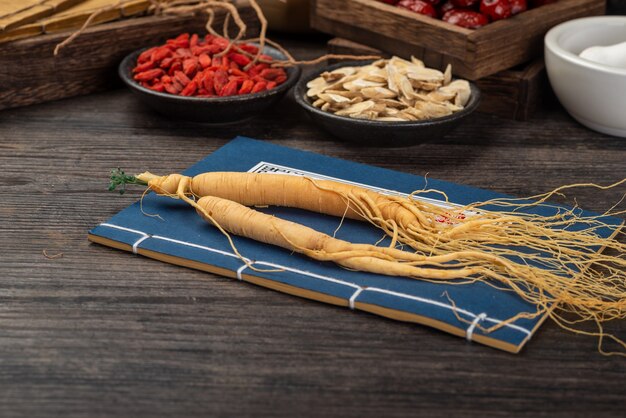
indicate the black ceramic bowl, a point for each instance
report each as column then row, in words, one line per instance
column 380, row 133
column 208, row 109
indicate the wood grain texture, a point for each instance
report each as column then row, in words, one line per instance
column 473, row 53
column 30, row 73
column 512, row 94
column 16, row 13
column 103, row 333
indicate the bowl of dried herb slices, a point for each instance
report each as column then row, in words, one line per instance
column 388, row 102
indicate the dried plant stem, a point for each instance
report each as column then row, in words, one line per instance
column 325, row 58
column 190, row 7
column 85, row 25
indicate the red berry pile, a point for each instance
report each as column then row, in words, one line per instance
column 190, row 66
column 470, row 14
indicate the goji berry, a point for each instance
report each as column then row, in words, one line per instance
column 257, row 69
column 200, row 49
column 213, row 49
column 170, row 88
column 190, row 66
column 204, row 60
column 181, row 41
column 148, row 65
column 271, row 73
column 184, row 53
column 220, row 80
column 160, row 54
column 149, row 75
column 221, row 42
column 158, row 87
column 259, row 87
column 238, row 72
column 229, row 89
column 189, row 89
column 179, row 87
column 246, row 87
column 207, row 80
column 166, row 62
column 145, row 55
column 251, row 49
column 240, row 59
column 198, row 78
column 237, row 79
column 225, row 63
column 176, row 66
column 193, row 41
column 181, row 78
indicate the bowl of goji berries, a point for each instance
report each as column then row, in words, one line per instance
column 208, row 78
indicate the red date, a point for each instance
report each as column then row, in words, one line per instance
column 418, row 6
column 471, row 14
column 518, row 6
column 465, row 18
column 496, row 9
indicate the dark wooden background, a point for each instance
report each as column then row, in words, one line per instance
column 101, row 332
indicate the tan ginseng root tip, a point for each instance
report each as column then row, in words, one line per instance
column 562, row 268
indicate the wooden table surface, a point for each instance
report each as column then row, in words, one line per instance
column 100, row 332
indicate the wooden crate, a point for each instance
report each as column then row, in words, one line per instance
column 30, row 73
column 473, row 53
column 512, row 94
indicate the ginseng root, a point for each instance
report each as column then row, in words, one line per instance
column 426, row 227
column 547, row 260
column 242, row 221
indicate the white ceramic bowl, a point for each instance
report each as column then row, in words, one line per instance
column 594, row 94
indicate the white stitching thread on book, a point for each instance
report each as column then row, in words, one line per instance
column 240, row 270
column 354, row 296
column 470, row 330
column 358, row 289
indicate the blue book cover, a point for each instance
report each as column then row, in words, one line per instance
column 182, row 237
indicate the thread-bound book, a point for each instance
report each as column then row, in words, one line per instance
column 182, row 237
